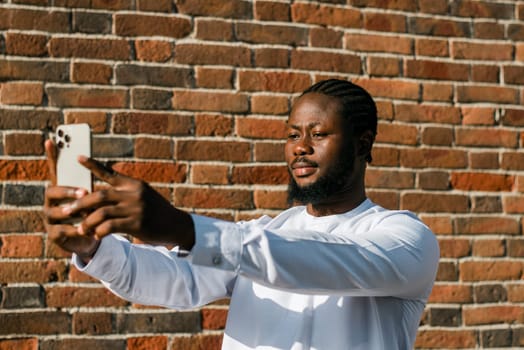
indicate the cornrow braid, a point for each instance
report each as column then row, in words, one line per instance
column 358, row 106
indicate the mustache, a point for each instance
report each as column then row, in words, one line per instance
column 303, row 160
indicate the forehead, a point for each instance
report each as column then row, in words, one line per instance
column 315, row 108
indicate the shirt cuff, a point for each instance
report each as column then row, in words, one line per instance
column 218, row 243
column 108, row 260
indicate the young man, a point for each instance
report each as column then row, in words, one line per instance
column 337, row 272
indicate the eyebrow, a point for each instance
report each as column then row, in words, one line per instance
column 295, row 126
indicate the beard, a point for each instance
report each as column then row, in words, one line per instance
column 326, row 186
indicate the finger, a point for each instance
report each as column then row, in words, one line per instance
column 102, row 172
column 95, row 200
column 101, row 215
column 51, row 155
column 60, row 233
column 120, row 225
column 58, row 193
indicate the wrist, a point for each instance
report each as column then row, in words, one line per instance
column 87, row 255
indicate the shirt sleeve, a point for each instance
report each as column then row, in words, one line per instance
column 153, row 275
column 397, row 256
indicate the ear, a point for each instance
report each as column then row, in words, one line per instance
column 365, row 144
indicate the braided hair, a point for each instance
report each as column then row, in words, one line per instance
column 357, row 105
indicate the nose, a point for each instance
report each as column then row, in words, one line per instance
column 303, row 146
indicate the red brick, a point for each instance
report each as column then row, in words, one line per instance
column 153, row 171
column 30, row 19
column 65, row 296
column 487, row 137
column 76, row 276
column 209, row 174
column 213, row 318
column 213, row 125
column 478, row 315
column 271, row 34
column 489, row 247
column 440, row 225
column 21, row 246
column 485, row 94
column 272, row 11
column 87, row 97
column 97, row 120
column 437, row 92
column 519, row 52
column 484, row 160
column 433, row 157
column 214, row 78
column 325, row 61
column 516, row 32
column 325, row 37
column 427, row 69
column 213, row 198
column 440, row 27
column 42, row 271
column 146, row 147
column 498, row 270
column 512, row 160
column 486, row 225
column 444, row 338
column 198, row 342
column 210, row 150
column 262, row 174
column 378, row 43
column 19, row 344
column 451, row 293
column 20, row 44
column 269, row 152
column 481, row 51
column 513, row 204
column 95, row 73
column 151, row 123
column 266, row 199
column 153, row 50
column 147, row 343
column 92, row 323
column 389, row 179
column 385, row 22
column 385, row 156
column 384, row 110
column 25, row 170
column 397, row 134
column 513, row 117
column 433, row 6
column 514, row 75
column 128, row 24
column 273, row 81
column 261, row 128
column 113, row 49
column 155, row 6
column 447, row 271
column 431, row 47
column 271, row 57
column 24, row 144
column 382, row 66
column 210, row 101
column 406, row 5
column 478, row 116
column 515, row 293
column 485, row 73
column 478, row 9
column 469, row 181
column 434, row 203
column 386, row 199
column 404, row 90
column 326, row 15
column 454, row 248
column 269, row 104
column 229, row 9
column 437, row 136
column 213, row 29
column 21, row 93
column 195, row 54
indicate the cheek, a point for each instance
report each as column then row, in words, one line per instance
column 288, row 152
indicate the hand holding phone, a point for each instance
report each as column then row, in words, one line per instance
column 73, row 140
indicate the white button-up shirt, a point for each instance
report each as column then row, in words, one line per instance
column 354, row 281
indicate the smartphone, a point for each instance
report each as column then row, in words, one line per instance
column 71, row 141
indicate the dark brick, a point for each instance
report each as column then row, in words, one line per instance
column 49, row 71
column 445, row 317
column 24, row 195
column 83, row 344
column 491, row 293
column 143, row 98
column 158, row 322
column 13, row 297
column 113, row 147
column 91, row 22
column 21, row 119
column 130, row 74
column 495, row 338
column 486, row 204
column 36, row 322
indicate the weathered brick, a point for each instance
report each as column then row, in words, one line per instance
column 33, row 19
column 470, row 181
column 476, row 225
column 198, row 341
column 23, row 195
column 431, row 47
column 484, row 160
column 433, row 157
column 441, row 92
column 514, row 75
column 447, row 271
column 155, row 6
column 19, row 344
column 446, row 338
column 112, row 147
column 153, row 50
column 261, row 128
column 485, row 94
column 439, row 27
column 406, row 5
column 24, row 144
column 389, row 179
column 213, row 125
column 82, row 344
column 271, row 57
column 433, row 180
column 269, row 152
column 516, row 31
column 273, row 81
column 437, row 136
column 210, row 101
column 95, row 73
column 385, row 156
column 451, row 293
column 513, row 204
column 476, row 315
column 271, row 34
column 97, row 120
column 159, row 322
column 384, row 22
column 147, row 343
column 433, row 203
column 325, row 37
column 382, row 66
column 92, row 323
column 62, row 96
column 151, row 98
column 74, row 296
column 269, row 104
column 216, row 8
column 128, row 24
column 492, row 338
column 42, row 271
column 444, row 317
column 92, row 22
column 486, row 204
column 272, row 11
column 266, row 199
column 325, row 61
column 214, row 78
column 404, row 90
column 397, row 134
column 490, row 293
column 231, row 151
column 212, row 54
column 468, row 8
column 489, row 247
column 25, row 170
column 485, row 73
column 153, row 148
column 326, row 15
column 481, row 51
column 262, row 174
column 21, row 297
column 153, row 171
column 213, row 318
column 132, row 74
column 110, row 49
column 21, row 93
column 427, row 69
column 36, row 322
column 490, row 270
column 487, row 137
column 433, row 6
column 209, row 174
column 21, row 44
column 488, row 30
column 213, row 29
column 213, row 198
column 513, row 117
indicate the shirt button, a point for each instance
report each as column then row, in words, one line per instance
column 217, row 260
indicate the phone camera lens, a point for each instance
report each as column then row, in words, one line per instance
column 60, row 133
column 67, row 138
column 60, row 144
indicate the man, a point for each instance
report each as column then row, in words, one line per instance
column 337, row 272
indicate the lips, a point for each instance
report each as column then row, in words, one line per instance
column 302, row 167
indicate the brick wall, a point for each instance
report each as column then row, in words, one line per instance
column 192, row 96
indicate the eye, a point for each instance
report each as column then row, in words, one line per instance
column 319, row 134
column 293, row 136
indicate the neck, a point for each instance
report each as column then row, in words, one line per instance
column 342, row 202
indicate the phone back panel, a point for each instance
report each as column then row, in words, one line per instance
column 73, row 140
